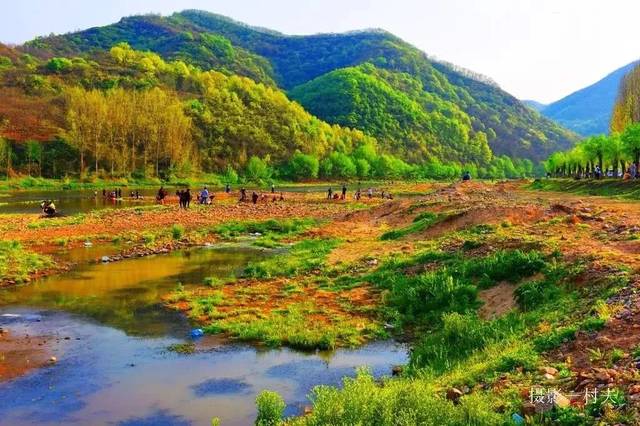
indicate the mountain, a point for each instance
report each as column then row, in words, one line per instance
column 588, row 111
column 538, row 106
column 481, row 109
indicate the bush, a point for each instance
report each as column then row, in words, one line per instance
column 177, row 231
column 423, row 298
column 59, row 65
column 270, row 408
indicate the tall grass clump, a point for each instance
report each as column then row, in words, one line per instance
column 270, row 408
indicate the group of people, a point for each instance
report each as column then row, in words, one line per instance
column 358, row 194
column 114, row 195
column 255, row 197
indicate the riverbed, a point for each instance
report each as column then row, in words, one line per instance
column 110, row 334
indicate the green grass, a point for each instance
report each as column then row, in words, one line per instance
column 604, row 187
column 420, row 223
column 303, row 256
column 270, row 233
column 17, row 264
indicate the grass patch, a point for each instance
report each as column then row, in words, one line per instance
column 420, row 223
column 17, row 264
column 302, row 257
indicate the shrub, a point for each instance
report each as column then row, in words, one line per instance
column 177, row 231
column 270, row 408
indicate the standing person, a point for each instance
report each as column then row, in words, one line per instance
column 358, row 195
column 329, row 193
column 187, row 198
column 204, row 196
column 180, row 196
column 370, row 192
column 254, row 197
column 344, row 192
column 104, row 193
column 632, row 170
column 273, row 189
column 243, row 194
column 227, row 188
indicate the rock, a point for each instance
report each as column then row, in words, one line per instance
column 454, row 394
column 634, row 389
column 602, row 376
column 560, row 400
column 396, row 370
column 105, row 259
column 53, row 360
column 307, row 410
column 548, row 376
column 548, row 370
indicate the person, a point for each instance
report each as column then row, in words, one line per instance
column 466, row 175
column 227, row 188
column 329, row 193
column 382, row 194
column 281, row 196
column 243, row 194
column 358, row 195
column 137, row 195
column 104, row 193
column 632, row 170
column 370, row 192
column 254, row 197
column 344, row 192
column 161, row 195
column 273, row 189
column 95, row 194
column 48, row 208
column 204, row 196
column 597, row 172
column 187, row 198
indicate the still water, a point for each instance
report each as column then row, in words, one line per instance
column 111, row 336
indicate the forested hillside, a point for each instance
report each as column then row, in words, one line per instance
column 232, row 83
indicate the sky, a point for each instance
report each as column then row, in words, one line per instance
column 534, row 49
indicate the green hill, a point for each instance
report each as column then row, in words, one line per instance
column 212, row 41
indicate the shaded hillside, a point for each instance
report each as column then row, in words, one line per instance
column 588, row 111
column 509, row 126
column 538, row 106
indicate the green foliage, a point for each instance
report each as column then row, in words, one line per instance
column 59, row 65
column 177, row 231
column 303, row 256
column 534, row 294
column 16, row 263
column 361, row 401
column 257, row 170
column 421, row 222
column 303, row 167
column 270, row 408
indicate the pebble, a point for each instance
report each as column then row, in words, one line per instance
column 53, row 360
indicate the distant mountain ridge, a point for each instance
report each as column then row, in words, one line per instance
column 474, row 106
column 588, row 111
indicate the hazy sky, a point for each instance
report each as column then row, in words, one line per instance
column 535, row 49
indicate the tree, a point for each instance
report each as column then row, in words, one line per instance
column 614, row 153
column 631, row 142
column 33, row 150
column 257, row 170
column 303, row 166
